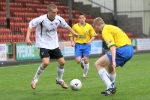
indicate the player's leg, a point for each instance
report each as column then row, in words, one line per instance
column 86, row 67
column 60, row 68
column 100, row 66
column 45, row 61
column 82, row 62
column 86, row 53
column 78, row 53
column 112, row 74
column 56, row 54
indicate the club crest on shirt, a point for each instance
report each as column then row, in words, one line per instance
column 86, row 31
column 108, row 42
column 56, row 24
column 42, row 53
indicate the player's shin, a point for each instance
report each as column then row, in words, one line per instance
column 60, row 72
column 86, row 69
column 105, row 77
column 112, row 77
column 38, row 72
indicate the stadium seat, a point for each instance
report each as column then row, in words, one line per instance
column 16, row 19
column 5, row 35
column 14, row 4
column 130, row 35
column 28, row 1
column 3, row 13
column 23, row 11
column 65, row 36
column 2, row 21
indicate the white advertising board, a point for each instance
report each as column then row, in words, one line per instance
column 143, row 44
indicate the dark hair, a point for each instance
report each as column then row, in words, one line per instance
column 81, row 14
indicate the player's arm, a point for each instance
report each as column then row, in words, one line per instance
column 108, row 38
column 71, row 40
column 91, row 40
column 93, row 34
column 113, row 53
column 71, row 36
column 28, row 41
column 67, row 27
column 72, row 31
column 33, row 23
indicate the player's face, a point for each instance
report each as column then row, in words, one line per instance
column 82, row 19
column 97, row 28
column 52, row 13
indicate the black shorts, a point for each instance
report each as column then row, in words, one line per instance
column 52, row 54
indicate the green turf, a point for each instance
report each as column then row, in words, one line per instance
column 133, row 82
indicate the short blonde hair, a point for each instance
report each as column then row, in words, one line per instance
column 51, row 6
column 98, row 21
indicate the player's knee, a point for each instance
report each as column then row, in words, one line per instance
column 95, row 64
column 110, row 69
column 78, row 61
column 62, row 63
column 45, row 64
column 86, row 61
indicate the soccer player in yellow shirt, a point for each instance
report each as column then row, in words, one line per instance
column 120, row 51
column 82, row 43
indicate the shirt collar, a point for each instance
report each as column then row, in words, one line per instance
column 103, row 26
column 80, row 25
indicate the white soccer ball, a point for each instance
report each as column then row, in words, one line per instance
column 75, row 84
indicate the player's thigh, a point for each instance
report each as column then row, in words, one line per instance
column 102, row 62
column 86, row 50
column 78, row 52
column 44, row 55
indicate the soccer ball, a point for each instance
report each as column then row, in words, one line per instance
column 75, row 84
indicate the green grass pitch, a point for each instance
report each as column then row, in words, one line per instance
column 132, row 82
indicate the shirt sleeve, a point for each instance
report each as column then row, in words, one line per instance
column 108, row 38
column 34, row 22
column 63, row 23
column 92, row 32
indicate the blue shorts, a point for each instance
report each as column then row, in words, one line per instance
column 82, row 50
column 123, row 54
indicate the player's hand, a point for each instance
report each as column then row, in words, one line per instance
column 28, row 41
column 76, row 35
column 72, row 44
column 114, row 64
column 88, row 42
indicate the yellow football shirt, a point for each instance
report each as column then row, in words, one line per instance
column 113, row 35
column 85, row 33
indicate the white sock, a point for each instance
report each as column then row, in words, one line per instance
column 105, row 77
column 112, row 77
column 82, row 60
column 60, row 72
column 86, row 68
column 38, row 72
